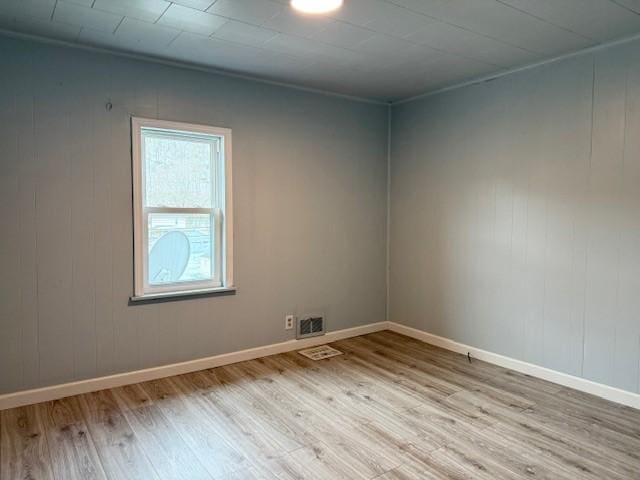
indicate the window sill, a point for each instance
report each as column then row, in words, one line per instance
column 183, row 295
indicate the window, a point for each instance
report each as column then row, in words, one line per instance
column 182, row 208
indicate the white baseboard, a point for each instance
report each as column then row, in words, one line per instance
column 605, row 391
column 28, row 397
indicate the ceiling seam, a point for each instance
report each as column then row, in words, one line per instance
column 213, row 34
column 261, row 25
column 373, row 31
column 625, row 7
column 351, row 49
column 524, row 12
column 504, row 73
column 55, row 5
column 395, row 37
column 188, row 66
column 118, row 25
column 345, row 49
column 464, row 28
column 174, row 38
column 513, row 7
column 437, row 49
column 162, row 14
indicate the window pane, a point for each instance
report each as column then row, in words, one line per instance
column 180, row 248
column 178, row 172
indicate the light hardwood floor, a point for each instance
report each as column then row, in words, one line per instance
column 391, row 408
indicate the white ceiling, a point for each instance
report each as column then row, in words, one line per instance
column 378, row 49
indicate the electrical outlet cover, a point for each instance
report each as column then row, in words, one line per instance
column 289, row 322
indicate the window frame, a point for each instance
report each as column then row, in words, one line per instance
column 221, row 218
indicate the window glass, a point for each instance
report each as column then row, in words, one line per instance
column 180, row 248
column 178, row 172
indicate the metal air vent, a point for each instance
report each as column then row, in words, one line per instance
column 310, row 327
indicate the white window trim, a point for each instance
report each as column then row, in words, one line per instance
column 223, row 284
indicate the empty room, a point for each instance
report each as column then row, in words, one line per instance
column 319, row 239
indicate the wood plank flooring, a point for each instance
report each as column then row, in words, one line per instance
column 390, row 408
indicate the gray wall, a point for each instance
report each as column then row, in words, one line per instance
column 310, row 214
column 515, row 215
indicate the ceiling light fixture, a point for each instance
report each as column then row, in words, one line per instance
column 316, row 6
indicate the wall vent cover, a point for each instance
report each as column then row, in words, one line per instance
column 310, row 327
column 320, row 353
